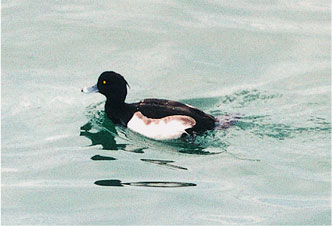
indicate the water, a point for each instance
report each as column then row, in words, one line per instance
column 64, row 162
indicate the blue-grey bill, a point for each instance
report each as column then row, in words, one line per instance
column 92, row 89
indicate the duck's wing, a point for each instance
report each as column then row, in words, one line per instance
column 158, row 108
column 166, row 119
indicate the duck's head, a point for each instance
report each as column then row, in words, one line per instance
column 110, row 84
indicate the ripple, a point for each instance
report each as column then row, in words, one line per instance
column 226, row 219
column 279, row 131
column 164, row 163
column 155, row 184
column 245, row 97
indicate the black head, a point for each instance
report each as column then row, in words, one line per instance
column 113, row 86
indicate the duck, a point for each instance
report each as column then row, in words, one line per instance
column 158, row 119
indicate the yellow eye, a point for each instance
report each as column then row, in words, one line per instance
column 104, row 82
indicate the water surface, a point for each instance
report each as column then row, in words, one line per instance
column 64, row 162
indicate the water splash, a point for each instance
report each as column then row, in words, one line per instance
column 257, row 126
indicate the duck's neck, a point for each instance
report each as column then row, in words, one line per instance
column 115, row 110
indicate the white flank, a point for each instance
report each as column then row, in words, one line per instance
column 170, row 127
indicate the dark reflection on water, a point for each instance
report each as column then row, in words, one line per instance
column 102, row 158
column 112, row 183
column 101, row 137
column 156, row 184
column 134, row 150
column 164, row 163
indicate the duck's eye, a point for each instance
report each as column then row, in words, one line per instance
column 104, row 82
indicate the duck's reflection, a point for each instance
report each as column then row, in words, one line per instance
column 102, row 158
column 155, row 184
column 165, row 163
column 101, row 131
column 105, row 138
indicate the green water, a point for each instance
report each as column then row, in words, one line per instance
column 268, row 63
